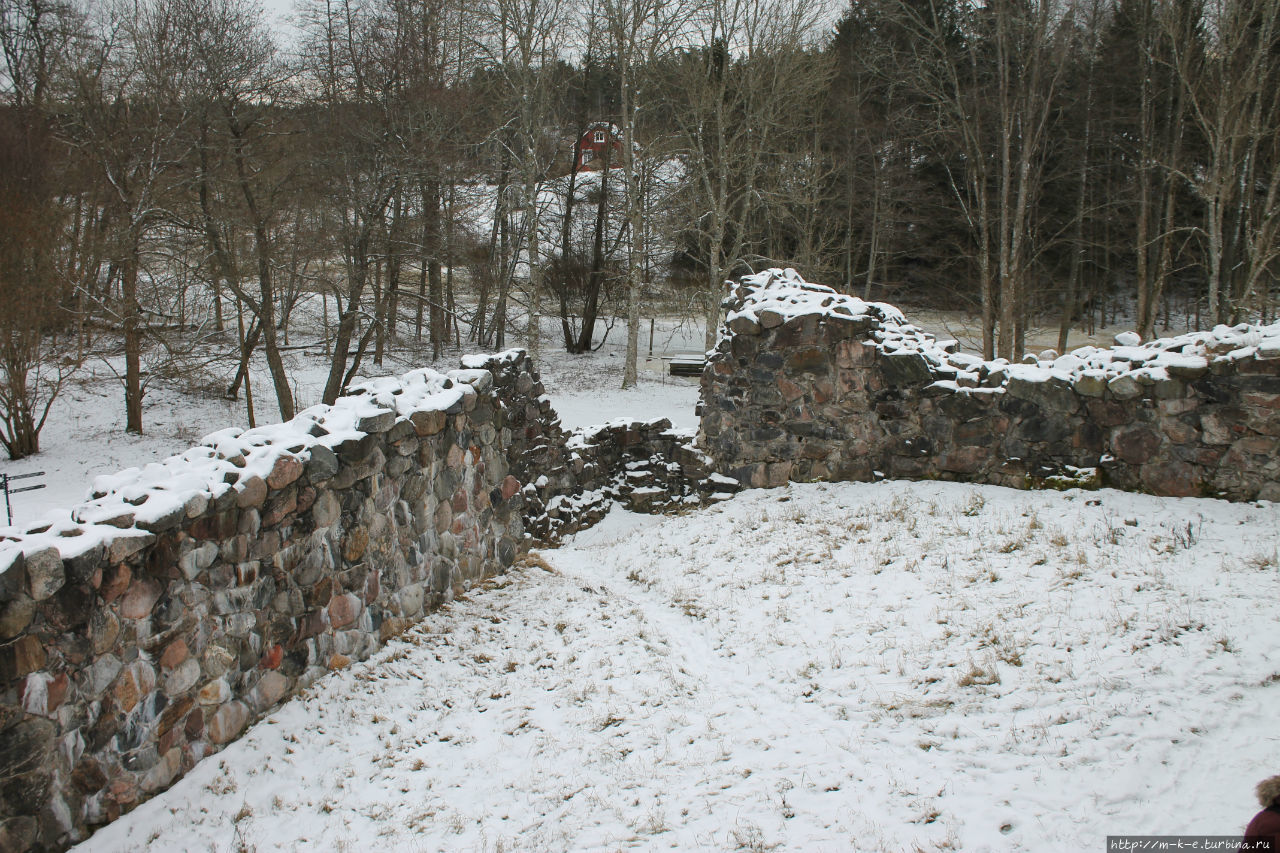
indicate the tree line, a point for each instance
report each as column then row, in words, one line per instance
column 175, row 186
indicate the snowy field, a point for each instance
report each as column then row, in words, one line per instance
column 884, row 667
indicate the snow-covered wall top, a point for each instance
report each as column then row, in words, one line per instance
column 778, row 295
column 806, row 383
column 139, row 501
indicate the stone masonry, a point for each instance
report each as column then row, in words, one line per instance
column 571, row 478
column 126, row 661
column 158, row 620
column 808, row 384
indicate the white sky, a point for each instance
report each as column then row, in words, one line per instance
column 279, row 13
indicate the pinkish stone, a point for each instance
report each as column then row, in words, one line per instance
column 790, row 390
column 251, row 492
column 227, row 722
column 1136, row 445
column 174, row 654
column 285, row 471
column 273, row 657
column 270, row 688
column 215, row 692
column 344, row 610
column 141, row 597
column 136, row 681
column 509, row 487
column 279, row 510
column 427, row 423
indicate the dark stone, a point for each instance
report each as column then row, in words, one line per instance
column 911, row 446
column 1214, row 390
column 904, row 370
column 26, row 766
column 1259, row 384
column 1174, row 479
column 1136, row 445
column 356, row 450
column 1052, row 394
column 1043, row 428
column 167, row 521
column 18, row 834
column 769, row 361
column 400, row 431
column 507, row 551
column 939, row 429
column 87, row 777
column 808, row 429
column 21, row 657
column 69, row 608
column 1019, row 407
column 1089, row 437
column 294, row 662
column 809, row 360
column 13, row 578
column 81, row 567
column 1109, row 413
column 217, row 526
column 322, row 465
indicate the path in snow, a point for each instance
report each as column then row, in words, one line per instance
column 820, row 667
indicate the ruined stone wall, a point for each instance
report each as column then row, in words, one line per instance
column 808, row 384
column 147, row 628
column 571, row 478
column 151, row 625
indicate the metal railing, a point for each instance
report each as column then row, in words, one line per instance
column 5, row 479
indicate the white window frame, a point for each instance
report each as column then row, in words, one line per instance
column 599, row 137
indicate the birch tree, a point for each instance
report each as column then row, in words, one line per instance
column 637, row 33
column 743, row 94
column 1232, row 99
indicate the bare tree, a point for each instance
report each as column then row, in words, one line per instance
column 353, row 85
column 241, row 164
column 752, row 82
column 124, row 125
column 638, row 33
column 1231, row 93
column 525, row 40
column 31, row 372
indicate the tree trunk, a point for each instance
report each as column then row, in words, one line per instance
column 131, row 321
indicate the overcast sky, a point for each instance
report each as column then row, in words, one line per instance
column 278, row 14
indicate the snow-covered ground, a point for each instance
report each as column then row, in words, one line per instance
column 822, row 667
column 896, row 666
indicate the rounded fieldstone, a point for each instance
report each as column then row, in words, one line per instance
column 1124, row 387
column 271, row 687
column 251, row 492
column 15, row 616
column 141, row 597
column 183, row 678
column 344, row 610
column 322, row 465
column 45, row 573
column 285, row 471
column 227, row 722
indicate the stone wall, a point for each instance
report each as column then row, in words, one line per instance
column 571, row 478
column 148, row 627
column 808, row 384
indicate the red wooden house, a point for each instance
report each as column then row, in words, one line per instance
column 599, row 140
